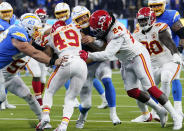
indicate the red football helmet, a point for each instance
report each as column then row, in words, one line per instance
column 100, row 22
column 42, row 14
column 57, row 24
column 146, row 17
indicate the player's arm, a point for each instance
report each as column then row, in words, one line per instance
column 178, row 28
column 110, row 51
column 29, row 50
column 48, row 31
column 97, row 45
column 165, row 38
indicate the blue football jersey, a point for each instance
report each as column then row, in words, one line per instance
column 68, row 21
column 8, row 52
column 4, row 24
column 170, row 17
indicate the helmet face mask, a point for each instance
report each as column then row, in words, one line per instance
column 146, row 17
column 32, row 24
column 80, row 16
column 62, row 11
column 158, row 6
column 6, row 11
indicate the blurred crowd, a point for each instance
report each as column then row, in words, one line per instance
column 121, row 8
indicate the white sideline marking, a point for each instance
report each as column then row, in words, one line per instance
column 27, row 119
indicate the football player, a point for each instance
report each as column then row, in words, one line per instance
column 66, row 41
column 39, row 70
column 156, row 37
column 15, row 43
column 7, row 18
column 136, row 64
column 172, row 18
column 101, row 70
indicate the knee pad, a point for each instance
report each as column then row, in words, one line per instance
column 134, row 93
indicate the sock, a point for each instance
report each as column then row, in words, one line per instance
column 65, row 121
column 37, row 90
column 42, row 87
column 113, row 111
column 168, row 106
column 153, row 105
column 110, row 92
column 67, row 84
column 83, row 113
column 83, row 110
column 98, row 86
column 177, row 90
column 178, row 107
column 6, row 90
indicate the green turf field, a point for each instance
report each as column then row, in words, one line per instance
column 23, row 119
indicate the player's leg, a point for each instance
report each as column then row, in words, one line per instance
column 18, row 87
column 56, row 80
column 104, row 72
column 177, row 93
column 77, row 78
column 34, row 69
column 2, row 88
column 43, row 76
column 144, row 73
column 98, row 86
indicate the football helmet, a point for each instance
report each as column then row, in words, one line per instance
column 42, row 14
column 158, row 6
column 80, row 15
column 146, row 17
column 57, row 24
column 62, row 11
column 32, row 24
column 6, row 11
column 100, row 22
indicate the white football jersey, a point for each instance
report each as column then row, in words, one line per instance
column 159, row 53
column 66, row 40
column 120, row 43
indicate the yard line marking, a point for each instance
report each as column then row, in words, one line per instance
column 100, row 121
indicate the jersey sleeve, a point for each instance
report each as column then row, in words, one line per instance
column 176, row 17
column 110, row 51
column 162, row 26
column 19, row 34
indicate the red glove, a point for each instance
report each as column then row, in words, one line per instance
column 83, row 55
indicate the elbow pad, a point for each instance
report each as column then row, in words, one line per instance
column 180, row 33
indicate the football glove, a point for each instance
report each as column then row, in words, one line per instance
column 83, row 55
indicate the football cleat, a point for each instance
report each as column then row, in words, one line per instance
column 104, row 105
column 45, row 120
column 9, row 106
column 47, row 126
column 143, row 118
column 80, row 124
column 177, row 122
column 115, row 119
column 62, row 127
column 163, row 117
column 155, row 116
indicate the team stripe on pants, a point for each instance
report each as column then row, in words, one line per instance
column 178, row 68
column 146, row 70
column 52, row 76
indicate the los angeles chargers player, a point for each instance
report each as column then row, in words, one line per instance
column 7, row 18
column 172, row 18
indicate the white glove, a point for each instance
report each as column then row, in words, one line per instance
column 177, row 58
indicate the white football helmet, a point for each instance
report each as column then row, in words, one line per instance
column 79, row 12
column 6, row 11
column 62, row 11
column 158, row 6
column 32, row 24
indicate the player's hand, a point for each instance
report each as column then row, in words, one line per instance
column 87, row 39
column 61, row 61
column 83, row 55
column 177, row 58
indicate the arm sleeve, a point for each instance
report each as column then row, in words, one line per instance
column 110, row 51
column 99, row 43
column 1, row 28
